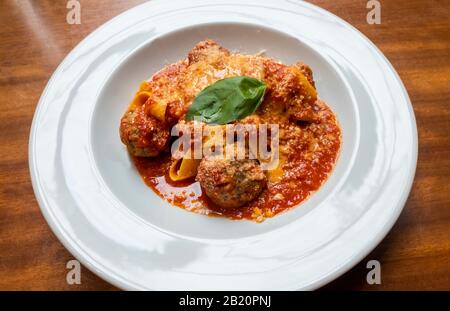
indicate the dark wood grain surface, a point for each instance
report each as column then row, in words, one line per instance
column 413, row 34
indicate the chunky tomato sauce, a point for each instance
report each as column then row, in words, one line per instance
column 308, row 152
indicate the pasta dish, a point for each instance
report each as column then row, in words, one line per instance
column 230, row 134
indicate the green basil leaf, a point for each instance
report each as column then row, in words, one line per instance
column 227, row 100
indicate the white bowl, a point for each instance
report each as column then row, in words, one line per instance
column 97, row 205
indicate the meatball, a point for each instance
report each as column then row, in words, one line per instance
column 207, row 50
column 231, row 184
column 144, row 135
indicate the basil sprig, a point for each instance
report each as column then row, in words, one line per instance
column 227, row 100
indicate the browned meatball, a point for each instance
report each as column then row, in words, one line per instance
column 144, row 135
column 207, row 50
column 231, row 183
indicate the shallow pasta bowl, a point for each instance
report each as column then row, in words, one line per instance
column 97, row 205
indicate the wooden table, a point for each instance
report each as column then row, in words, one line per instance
column 413, row 34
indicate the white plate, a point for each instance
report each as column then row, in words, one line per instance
column 97, row 205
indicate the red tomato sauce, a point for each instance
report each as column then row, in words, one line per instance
column 309, row 149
